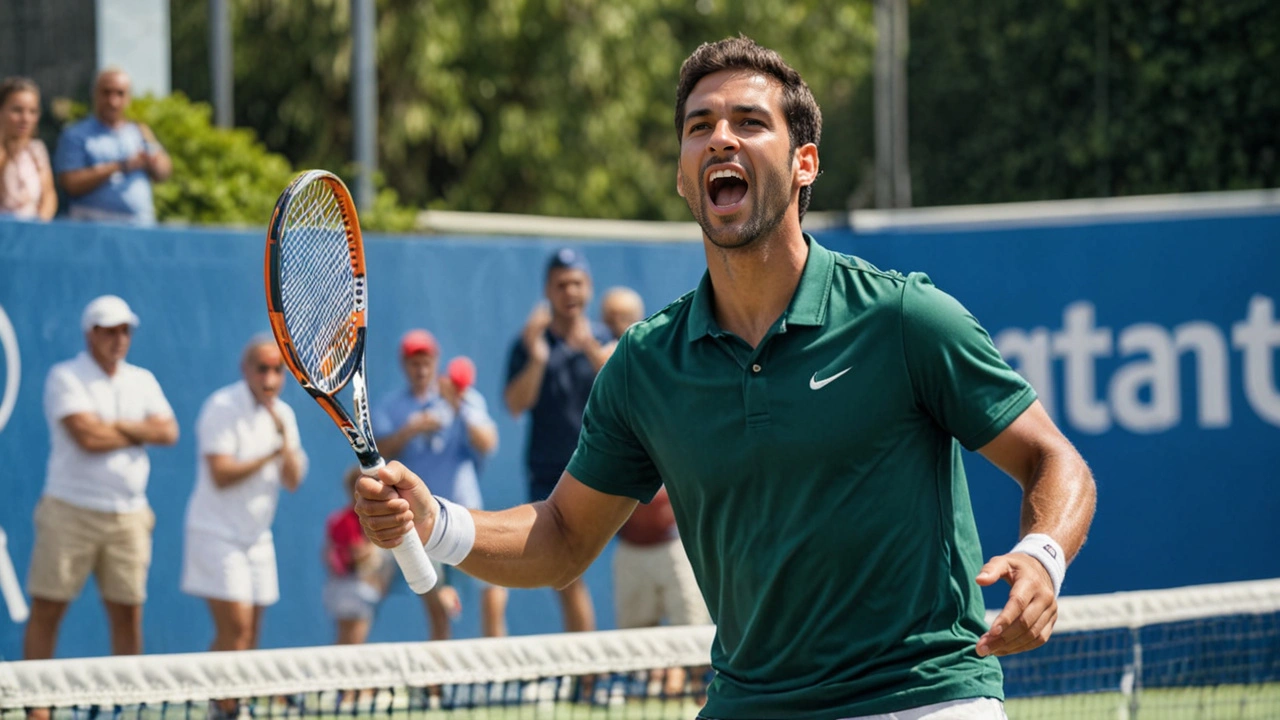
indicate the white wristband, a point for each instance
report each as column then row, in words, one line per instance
column 1049, row 553
column 453, row 535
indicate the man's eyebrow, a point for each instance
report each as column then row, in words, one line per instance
column 700, row 112
column 737, row 110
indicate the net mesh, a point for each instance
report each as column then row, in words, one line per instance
column 318, row 286
column 1204, row 652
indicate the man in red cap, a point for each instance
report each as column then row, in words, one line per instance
column 444, row 432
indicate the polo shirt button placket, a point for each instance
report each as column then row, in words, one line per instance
column 755, row 368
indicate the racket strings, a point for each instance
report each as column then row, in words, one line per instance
column 318, row 286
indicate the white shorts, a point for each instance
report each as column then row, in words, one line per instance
column 351, row 598
column 968, row 709
column 653, row 583
column 218, row 569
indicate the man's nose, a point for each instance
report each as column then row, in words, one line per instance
column 722, row 138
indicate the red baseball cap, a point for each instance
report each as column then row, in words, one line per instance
column 418, row 341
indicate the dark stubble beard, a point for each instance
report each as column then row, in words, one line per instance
column 769, row 202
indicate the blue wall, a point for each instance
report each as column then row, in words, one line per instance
column 1187, row 477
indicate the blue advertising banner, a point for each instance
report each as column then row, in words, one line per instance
column 1152, row 343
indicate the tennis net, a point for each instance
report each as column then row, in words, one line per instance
column 1204, row 652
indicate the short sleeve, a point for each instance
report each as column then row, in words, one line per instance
column 65, row 395
column 380, row 419
column 610, row 456
column 70, row 153
column 157, row 405
column 957, row 375
column 215, row 428
column 516, row 359
column 474, row 409
column 293, row 437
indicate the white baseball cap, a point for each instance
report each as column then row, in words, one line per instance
column 107, row 311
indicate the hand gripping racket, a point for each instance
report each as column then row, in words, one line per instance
column 317, row 298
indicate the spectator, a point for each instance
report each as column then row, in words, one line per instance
column 26, row 180
column 248, row 448
column 549, row 373
column 359, row 571
column 106, row 163
column 94, row 516
column 621, row 308
column 444, row 433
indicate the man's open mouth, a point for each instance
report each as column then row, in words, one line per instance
column 726, row 187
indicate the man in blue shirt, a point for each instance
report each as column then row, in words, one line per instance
column 550, row 371
column 444, row 433
column 106, row 163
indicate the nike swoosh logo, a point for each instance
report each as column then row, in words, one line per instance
column 816, row 384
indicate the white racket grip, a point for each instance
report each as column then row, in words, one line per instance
column 415, row 564
column 410, row 555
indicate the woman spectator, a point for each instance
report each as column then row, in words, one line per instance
column 26, row 178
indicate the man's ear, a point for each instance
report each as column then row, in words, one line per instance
column 679, row 182
column 806, row 164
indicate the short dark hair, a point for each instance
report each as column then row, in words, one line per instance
column 804, row 117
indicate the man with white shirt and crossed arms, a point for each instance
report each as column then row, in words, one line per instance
column 94, row 515
column 806, row 413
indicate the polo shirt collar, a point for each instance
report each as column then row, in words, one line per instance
column 244, row 395
column 808, row 304
column 94, row 370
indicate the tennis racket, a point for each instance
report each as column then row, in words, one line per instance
column 317, row 298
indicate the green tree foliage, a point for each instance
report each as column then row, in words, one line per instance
column 220, row 176
column 1026, row 100
column 557, row 107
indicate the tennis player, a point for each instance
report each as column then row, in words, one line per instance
column 806, row 412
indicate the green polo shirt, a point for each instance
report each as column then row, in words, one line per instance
column 818, row 486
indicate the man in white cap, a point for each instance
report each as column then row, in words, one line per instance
column 93, row 515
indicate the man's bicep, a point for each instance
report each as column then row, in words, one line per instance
column 1020, row 448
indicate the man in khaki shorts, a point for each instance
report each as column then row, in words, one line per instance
column 93, row 515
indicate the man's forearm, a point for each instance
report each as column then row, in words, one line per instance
column 291, row 468
column 161, row 167
column 101, row 437
column 525, row 547
column 150, row 431
column 226, row 471
column 522, row 392
column 86, row 180
column 1059, row 501
column 392, row 445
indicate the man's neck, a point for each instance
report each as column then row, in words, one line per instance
column 108, row 366
column 562, row 325
column 754, row 285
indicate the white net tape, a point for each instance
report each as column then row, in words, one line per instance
column 200, row 676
